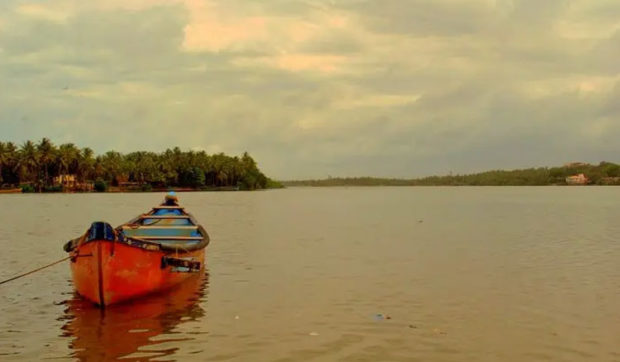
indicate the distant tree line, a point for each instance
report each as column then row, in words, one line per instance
column 605, row 173
column 35, row 165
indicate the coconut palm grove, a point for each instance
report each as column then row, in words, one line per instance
column 45, row 167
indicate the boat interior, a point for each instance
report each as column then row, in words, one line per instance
column 166, row 225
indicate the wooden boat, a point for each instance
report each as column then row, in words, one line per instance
column 150, row 253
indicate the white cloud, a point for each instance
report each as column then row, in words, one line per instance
column 57, row 14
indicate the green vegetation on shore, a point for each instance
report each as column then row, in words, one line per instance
column 44, row 166
column 605, row 173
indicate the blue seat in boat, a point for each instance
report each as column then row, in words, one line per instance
column 160, row 232
column 179, row 243
column 179, row 222
column 167, row 212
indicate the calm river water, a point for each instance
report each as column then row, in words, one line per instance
column 335, row 274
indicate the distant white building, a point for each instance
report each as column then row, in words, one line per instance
column 580, row 179
column 67, row 181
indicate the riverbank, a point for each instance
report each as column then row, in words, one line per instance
column 134, row 190
column 576, row 173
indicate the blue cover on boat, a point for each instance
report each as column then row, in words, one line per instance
column 100, row 230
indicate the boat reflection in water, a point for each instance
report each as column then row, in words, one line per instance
column 129, row 330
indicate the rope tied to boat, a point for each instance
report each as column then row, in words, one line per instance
column 35, row 270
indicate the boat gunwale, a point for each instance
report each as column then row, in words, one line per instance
column 152, row 240
column 147, row 243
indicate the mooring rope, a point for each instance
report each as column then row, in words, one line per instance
column 35, row 270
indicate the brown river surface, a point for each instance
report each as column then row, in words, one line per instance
column 335, row 274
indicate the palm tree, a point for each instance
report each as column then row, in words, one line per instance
column 47, row 155
column 86, row 164
column 67, row 158
column 99, row 168
column 28, row 162
column 168, row 168
column 4, row 158
column 219, row 169
column 111, row 165
column 9, row 160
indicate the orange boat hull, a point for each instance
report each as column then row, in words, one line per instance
column 107, row 272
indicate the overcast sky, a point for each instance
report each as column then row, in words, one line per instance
column 401, row 88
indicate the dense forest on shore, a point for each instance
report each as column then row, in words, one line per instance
column 605, row 173
column 37, row 167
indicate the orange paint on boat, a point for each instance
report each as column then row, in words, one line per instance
column 107, row 272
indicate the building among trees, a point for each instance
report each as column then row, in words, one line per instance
column 579, row 179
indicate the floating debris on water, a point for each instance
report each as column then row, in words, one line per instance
column 381, row 316
column 313, row 334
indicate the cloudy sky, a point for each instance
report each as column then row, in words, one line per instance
column 312, row 88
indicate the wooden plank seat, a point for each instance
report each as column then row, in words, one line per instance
column 176, row 243
column 165, row 221
column 148, row 216
column 162, row 231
